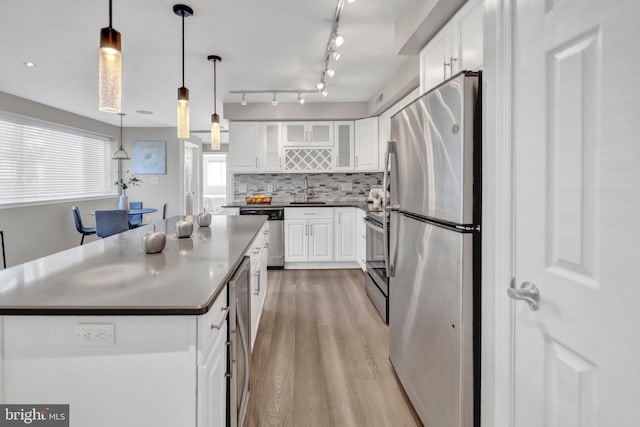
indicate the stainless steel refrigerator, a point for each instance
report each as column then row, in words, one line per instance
column 434, row 252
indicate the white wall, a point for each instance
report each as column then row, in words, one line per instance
column 167, row 188
column 35, row 231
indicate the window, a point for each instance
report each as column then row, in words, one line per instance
column 42, row 162
column 215, row 181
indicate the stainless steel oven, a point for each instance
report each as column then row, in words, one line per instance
column 376, row 280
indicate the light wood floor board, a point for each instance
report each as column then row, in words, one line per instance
column 321, row 356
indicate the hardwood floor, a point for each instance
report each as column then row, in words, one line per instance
column 321, row 356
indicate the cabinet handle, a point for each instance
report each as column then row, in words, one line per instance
column 306, row 229
column 444, row 69
column 256, row 163
column 257, row 291
column 311, row 234
column 224, row 317
column 308, row 213
column 280, row 162
column 356, row 161
column 451, row 61
column 339, row 213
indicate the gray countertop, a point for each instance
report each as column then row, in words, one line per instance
column 362, row 204
column 115, row 276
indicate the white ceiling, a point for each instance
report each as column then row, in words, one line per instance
column 265, row 44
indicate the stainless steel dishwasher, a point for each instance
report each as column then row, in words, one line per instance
column 276, row 233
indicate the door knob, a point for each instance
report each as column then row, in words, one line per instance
column 528, row 292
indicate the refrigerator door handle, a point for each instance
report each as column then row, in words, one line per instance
column 387, row 261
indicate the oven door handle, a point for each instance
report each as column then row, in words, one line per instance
column 373, row 225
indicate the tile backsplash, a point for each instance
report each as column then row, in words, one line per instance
column 328, row 186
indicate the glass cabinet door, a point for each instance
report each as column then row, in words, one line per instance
column 343, row 148
column 320, row 134
column 295, row 134
column 271, row 147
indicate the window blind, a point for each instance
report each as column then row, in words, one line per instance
column 41, row 161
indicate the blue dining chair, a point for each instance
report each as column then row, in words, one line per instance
column 135, row 220
column 164, row 211
column 85, row 231
column 111, row 222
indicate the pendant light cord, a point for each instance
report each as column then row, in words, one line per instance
column 215, row 111
column 121, row 130
column 182, row 49
column 110, row 13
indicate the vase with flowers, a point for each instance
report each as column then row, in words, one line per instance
column 131, row 181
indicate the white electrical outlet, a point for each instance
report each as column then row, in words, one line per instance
column 95, row 334
column 346, row 186
column 269, row 188
column 242, row 188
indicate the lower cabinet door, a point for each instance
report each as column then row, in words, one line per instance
column 296, row 240
column 321, row 239
column 255, row 303
column 212, row 384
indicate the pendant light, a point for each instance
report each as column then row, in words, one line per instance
column 182, row 108
column 215, row 118
column 120, row 154
column 109, row 69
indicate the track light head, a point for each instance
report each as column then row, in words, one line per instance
column 275, row 101
column 243, row 101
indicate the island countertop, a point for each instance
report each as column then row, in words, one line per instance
column 113, row 276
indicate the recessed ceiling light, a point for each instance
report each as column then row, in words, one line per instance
column 144, row 112
column 29, row 64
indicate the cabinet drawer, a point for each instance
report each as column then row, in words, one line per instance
column 308, row 213
column 211, row 323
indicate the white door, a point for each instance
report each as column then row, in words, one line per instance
column 321, row 239
column 577, row 200
column 244, row 146
column 191, row 178
column 345, row 234
column 296, row 240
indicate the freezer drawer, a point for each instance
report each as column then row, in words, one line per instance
column 431, row 319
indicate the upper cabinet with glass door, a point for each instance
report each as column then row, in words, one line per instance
column 271, row 147
column 307, row 134
column 344, row 146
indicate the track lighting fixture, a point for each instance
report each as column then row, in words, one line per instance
column 109, row 69
column 325, row 93
column 215, row 118
column 331, row 72
column 275, row 101
column 182, row 108
column 336, row 55
column 339, row 40
column 300, row 99
column 243, row 101
column 320, row 85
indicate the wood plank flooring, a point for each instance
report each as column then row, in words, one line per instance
column 321, row 356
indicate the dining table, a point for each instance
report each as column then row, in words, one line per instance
column 133, row 212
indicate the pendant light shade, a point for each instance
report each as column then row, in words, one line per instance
column 109, row 69
column 182, row 107
column 183, row 112
column 120, row 154
column 215, row 118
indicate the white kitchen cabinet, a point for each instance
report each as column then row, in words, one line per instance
column 321, row 239
column 308, row 234
column 311, row 134
column 457, row 46
column 343, row 150
column 345, row 238
column 212, row 383
column 271, row 147
column 258, row 254
column 296, row 239
column 361, row 239
column 244, row 146
column 366, row 144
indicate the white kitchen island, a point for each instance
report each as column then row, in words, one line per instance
column 124, row 338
